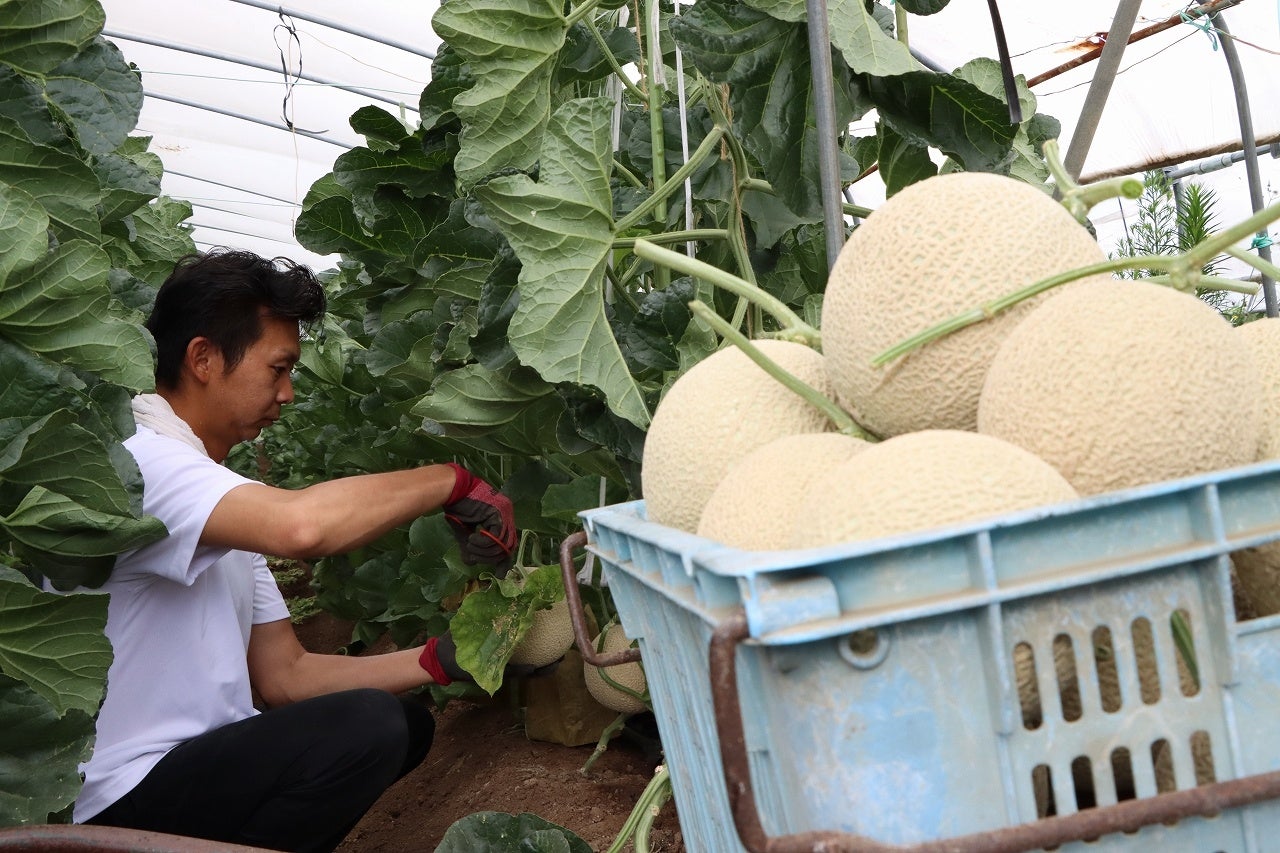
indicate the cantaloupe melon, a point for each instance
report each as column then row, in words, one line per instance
column 722, row 408
column 921, row 480
column 938, row 248
column 751, row 508
column 547, row 639
column 629, row 675
column 1257, row 570
column 1123, row 383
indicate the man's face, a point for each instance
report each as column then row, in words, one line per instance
column 251, row 395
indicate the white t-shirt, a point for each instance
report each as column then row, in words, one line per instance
column 178, row 621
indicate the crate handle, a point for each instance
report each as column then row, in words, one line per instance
column 1127, row 816
column 571, row 543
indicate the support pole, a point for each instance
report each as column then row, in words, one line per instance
column 825, row 108
column 1100, row 87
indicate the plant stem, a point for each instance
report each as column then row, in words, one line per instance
column 609, row 732
column 1079, row 199
column 675, row 182
column 628, row 175
column 765, row 187
column 794, row 328
column 674, row 237
column 652, row 798
column 1262, row 265
column 1206, row 282
column 613, row 61
column 844, row 423
column 581, row 12
column 1215, row 244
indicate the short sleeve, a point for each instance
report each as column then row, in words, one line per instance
column 182, row 486
column 268, row 602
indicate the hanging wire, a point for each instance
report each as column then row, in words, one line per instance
column 291, row 78
column 1006, row 67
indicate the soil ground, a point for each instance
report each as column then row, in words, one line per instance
column 482, row 760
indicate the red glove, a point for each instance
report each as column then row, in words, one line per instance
column 482, row 520
column 439, row 657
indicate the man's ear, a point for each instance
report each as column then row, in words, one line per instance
column 202, row 359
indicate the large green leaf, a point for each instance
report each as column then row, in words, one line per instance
column 478, row 397
column 854, row 32
column 47, row 523
column 151, row 239
column 36, row 36
column 765, row 61
column 55, row 644
column 1028, row 163
column 24, row 230
column 64, row 185
column 128, row 182
column 491, row 621
column 949, row 113
column 510, row 48
column 560, row 227
column 56, row 451
column 23, row 101
column 497, row 832
column 100, row 93
column 61, row 307
column 40, row 751
column 415, row 168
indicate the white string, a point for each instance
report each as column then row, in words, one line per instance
column 684, row 143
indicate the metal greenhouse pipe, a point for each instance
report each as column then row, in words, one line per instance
column 242, row 117
column 1100, row 86
column 337, row 25
column 289, row 202
column 1232, row 56
column 825, row 109
column 248, row 63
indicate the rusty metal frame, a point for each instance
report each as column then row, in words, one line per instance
column 87, row 838
column 1088, row 824
column 579, row 618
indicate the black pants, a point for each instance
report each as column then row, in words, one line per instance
column 293, row 778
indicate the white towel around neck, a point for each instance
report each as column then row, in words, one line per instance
column 154, row 412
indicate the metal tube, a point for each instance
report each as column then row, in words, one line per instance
column 243, row 117
column 1250, row 151
column 825, row 109
column 249, row 63
column 337, row 25
column 1100, row 86
column 169, row 171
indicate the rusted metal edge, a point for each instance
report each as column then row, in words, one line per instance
column 581, row 635
column 82, row 838
column 1128, row 816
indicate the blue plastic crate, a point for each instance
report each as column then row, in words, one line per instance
column 878, row 685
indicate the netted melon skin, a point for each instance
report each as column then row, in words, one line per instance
column 922, row 480
column 1123, row 383
column 629, row 675
column 751, row 508
column 940, row 247
column 724, row 407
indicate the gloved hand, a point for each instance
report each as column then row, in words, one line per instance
column 482, row 520
column 439, row 658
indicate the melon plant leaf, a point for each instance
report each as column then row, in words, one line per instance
column 40, row 751
column 498, row 832
column 450, row 76
column 151, row 239
column 55, row 644
column 23, row 102
column 24, row 227
column 1028, row 163
column 491, row 621
column 61, row 307
column 128, row 182
column 71, row 544
column 63, row 184
column 561, row 228
column 510, row 48
column 57, row 448
column 101, row 95
column 564, row 501
column 765, row 61
column 35, row 37
column 479, row 397
column 948, row 113
column 866, row 47
column 381, row 130
column 924, row 7
column 413, row 167
column 902, row 161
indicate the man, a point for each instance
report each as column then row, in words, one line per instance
column 196, row 621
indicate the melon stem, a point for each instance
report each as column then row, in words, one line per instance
column 793, row 327
column 1078, row 198
column 843, row 421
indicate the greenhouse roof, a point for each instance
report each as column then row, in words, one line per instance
column 243, row 139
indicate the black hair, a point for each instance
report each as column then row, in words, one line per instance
column 221, row 295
